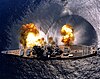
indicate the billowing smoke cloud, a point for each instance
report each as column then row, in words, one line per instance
column 51, row 17
column 79, row 35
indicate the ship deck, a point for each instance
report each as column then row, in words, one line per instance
column 75, row 52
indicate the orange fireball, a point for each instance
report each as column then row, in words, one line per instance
column 30, row 35
column 67, row 34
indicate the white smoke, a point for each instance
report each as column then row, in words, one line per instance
column 79, row 36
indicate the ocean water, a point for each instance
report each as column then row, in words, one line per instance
column 50, row 15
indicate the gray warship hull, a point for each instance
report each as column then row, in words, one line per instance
column 72, row 52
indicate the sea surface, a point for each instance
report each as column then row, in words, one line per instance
column 50, row 15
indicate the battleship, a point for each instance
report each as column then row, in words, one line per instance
column 33, row 45
column 56, row 52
